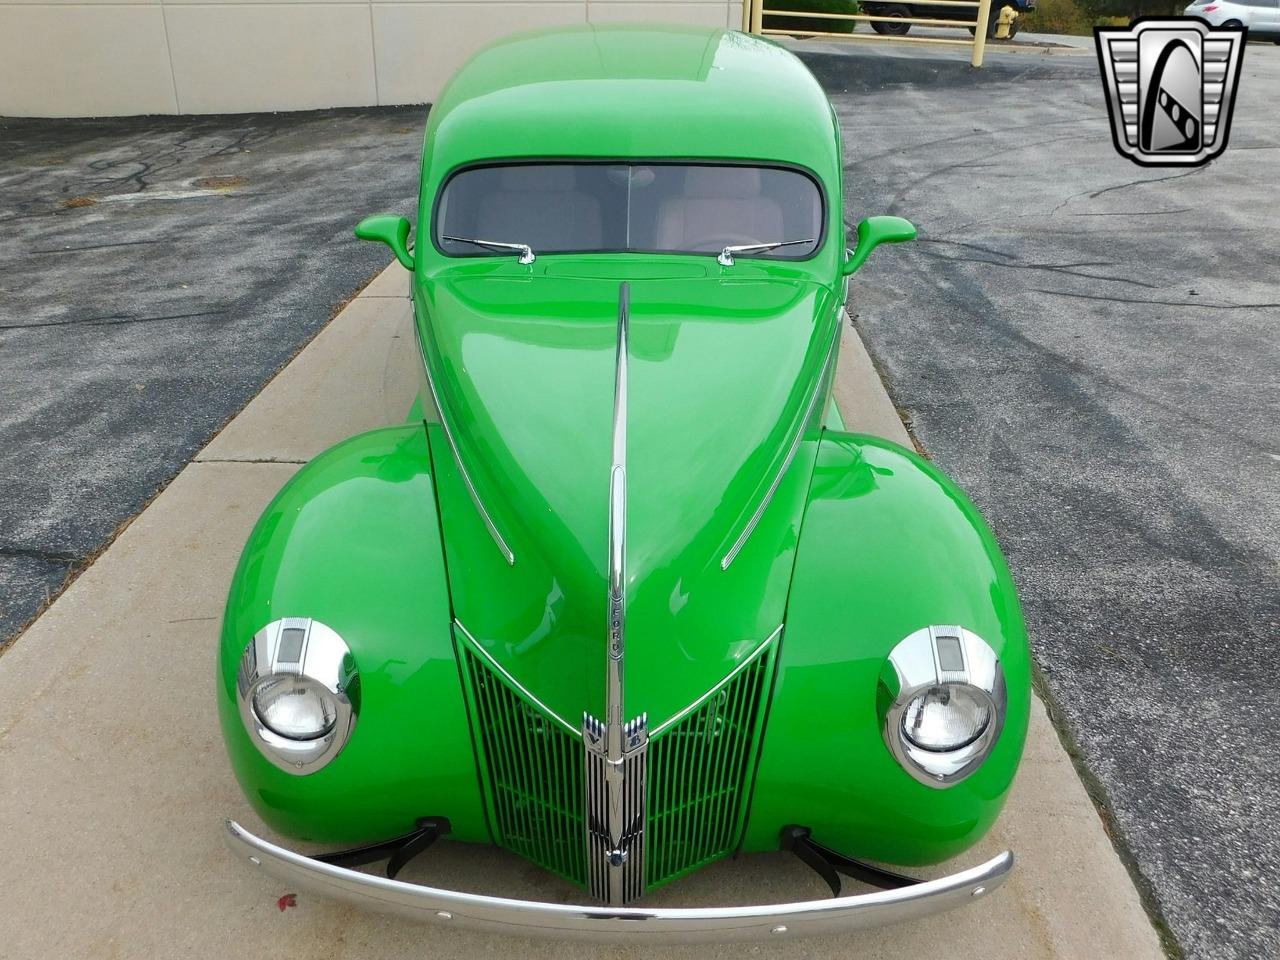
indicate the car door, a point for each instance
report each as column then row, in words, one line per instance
column 1263, row 15
column 1267, row 16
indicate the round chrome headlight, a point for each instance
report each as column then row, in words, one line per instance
column 295, row 707
column 946, row 717
column 943, row 703
column 298, row 693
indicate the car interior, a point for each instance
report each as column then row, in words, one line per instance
column 598, row 207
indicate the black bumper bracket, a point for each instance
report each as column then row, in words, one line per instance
column 829, row 865
column 397, row 852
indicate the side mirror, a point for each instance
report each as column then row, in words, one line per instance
column 874, row 231
column 389, row 229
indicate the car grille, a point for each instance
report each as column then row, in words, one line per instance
column 699, row 771
column 532, row 766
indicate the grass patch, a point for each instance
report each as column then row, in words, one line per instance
column 803, row 25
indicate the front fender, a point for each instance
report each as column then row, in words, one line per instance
column 353, row 541
column 888, row 545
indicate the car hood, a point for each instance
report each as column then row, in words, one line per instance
column 722, row 379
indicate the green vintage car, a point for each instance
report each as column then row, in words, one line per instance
column 623, row 595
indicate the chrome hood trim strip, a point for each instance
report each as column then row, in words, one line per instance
column 507, row 553
column 526, row 918
column 819, row 391
column 474, row 645
column 618, row 535
column 728, row 678
column 616, row 751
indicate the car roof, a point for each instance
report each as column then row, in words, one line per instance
column 633, row 91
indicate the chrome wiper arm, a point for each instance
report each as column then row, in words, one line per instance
column 726, row 255
column 526, row 251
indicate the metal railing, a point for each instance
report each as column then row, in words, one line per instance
column 755, row 13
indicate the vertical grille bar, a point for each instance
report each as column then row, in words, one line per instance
column 596, row 842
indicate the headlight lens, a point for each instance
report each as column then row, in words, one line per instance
column 941, row 701
column 295, row 707
column 298, row 693
column 945, row 717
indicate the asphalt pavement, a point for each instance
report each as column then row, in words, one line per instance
column 1093, row 350
column 157, row 271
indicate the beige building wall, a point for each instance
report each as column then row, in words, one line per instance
column 104, row 58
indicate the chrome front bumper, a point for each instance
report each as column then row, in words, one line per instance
column 620, row 924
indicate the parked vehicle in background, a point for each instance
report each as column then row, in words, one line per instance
column 922, row 11
column 1262, row 17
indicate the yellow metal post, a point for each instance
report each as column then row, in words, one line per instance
column 757, row 16
column 980, row 32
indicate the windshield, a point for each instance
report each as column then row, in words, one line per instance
column 650, row 208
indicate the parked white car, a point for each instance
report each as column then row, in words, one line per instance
column 1262, row 17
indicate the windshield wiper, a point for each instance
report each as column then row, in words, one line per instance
column 526, row 251
column 726, row 255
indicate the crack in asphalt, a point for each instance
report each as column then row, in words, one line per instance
column 1094, row 194
column 135, row 169
column 856, row 162
column 1146, row 180
column 33, row 553
column 1004, row 151
column 1133, row 213
column 1161, row 303
column 109, row 320
column 1059, row 268
column 96, row 246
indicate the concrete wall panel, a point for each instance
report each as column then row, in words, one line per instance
column 69, row 60
column 66, row 58
column 661, row 11
column 237, row 57
column 420, row 45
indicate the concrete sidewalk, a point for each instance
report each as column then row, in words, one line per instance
column 114, row 780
